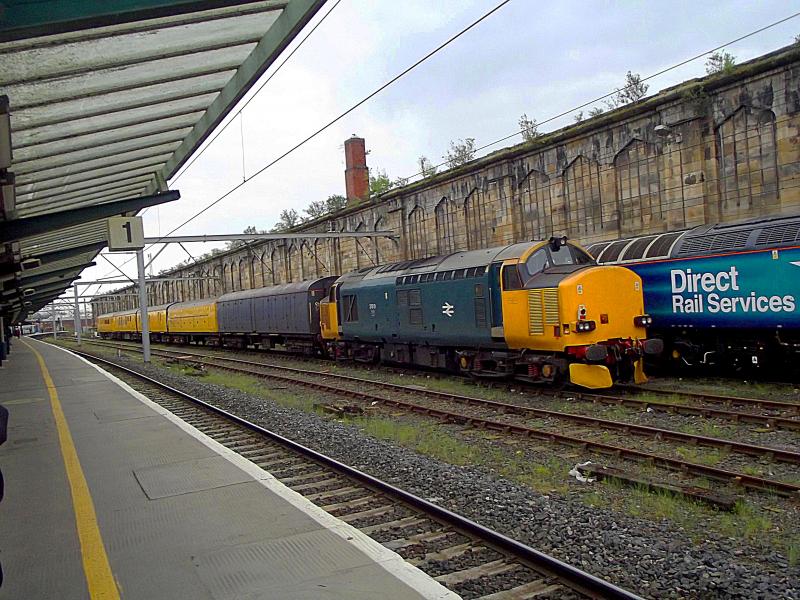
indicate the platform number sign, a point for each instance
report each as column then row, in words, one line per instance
column 125, row 233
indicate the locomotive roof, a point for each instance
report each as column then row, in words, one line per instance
column 719, row 238
column 277, row 290
column 445, row 262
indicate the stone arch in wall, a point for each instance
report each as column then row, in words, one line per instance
column 322, row 267
column 383, row 246
column 273, row 265
column 236, row 277
column 583, row 201
column 255, row 269
column 307, row 262
column 446, row 216
column 476, row 221
column 536, row 206
column 217, row 282
column 365, row 250
column 417, row 240
column 748, row 163
column 640, row 204
column 291, row 257
column 226, row 278
column 244, row 274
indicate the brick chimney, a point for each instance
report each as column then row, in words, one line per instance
column 356, row 174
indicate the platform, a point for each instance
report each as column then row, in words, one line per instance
column 118, row 498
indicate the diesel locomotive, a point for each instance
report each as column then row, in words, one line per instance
column 722, row 295
column 536, row 311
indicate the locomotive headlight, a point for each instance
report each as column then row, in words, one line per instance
column 643, row 321
column 585, row 326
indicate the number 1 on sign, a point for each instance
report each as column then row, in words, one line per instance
column 127, row 227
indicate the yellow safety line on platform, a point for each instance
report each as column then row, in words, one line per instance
column 99, row 579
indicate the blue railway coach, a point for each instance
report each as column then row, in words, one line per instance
column 723, row 294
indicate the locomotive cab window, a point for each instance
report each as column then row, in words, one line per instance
column 511, row 278
column 569, row 255
column 537, row 262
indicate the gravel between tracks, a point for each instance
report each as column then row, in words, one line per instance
column 656, row 560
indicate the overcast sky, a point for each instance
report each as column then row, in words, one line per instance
column 529, row 57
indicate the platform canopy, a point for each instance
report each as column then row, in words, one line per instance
column 105, row 101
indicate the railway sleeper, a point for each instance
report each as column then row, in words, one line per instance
column 426, row 537
column 490, row 569
column 340, row 508
column 329, row 482
column 533, row 589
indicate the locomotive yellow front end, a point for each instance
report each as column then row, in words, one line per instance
column 588, row 320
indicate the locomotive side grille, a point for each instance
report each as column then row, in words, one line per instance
column 480, row 312
column 734, row 240
column 551, row 306
column 542, row 309
column 535, row 322
column 784, row 234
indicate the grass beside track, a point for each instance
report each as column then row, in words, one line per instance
column 757, row 521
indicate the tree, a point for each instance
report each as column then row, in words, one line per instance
column 316, row 209
column 595, row 111
column 238, row 243
column 579, row 117
column 426, row 168
column 288, row 219
column 335, row 203
column 720, row 62
column 528, row 128
column 460, row 153
column 379, row 183
column 634, row 90
column 320, row 208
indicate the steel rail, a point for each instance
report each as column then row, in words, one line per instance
column 626, row 400
column 577, row 579
column 714, row 398
column 748, row 481
column 702, row 411
column 645, row 430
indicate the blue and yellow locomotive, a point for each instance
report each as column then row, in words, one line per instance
column 538, row 311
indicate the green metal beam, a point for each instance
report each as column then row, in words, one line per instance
column 292, row 19
column 23, row 19
column 51, row 257
column 18, row 229
column 61, row 276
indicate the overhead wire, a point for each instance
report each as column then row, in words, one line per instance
column 342, row 115
column 609, row 94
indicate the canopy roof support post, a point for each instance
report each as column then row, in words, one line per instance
column 143, row 307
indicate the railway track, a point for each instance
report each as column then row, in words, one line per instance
column 466, row 557
column 293, row 376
